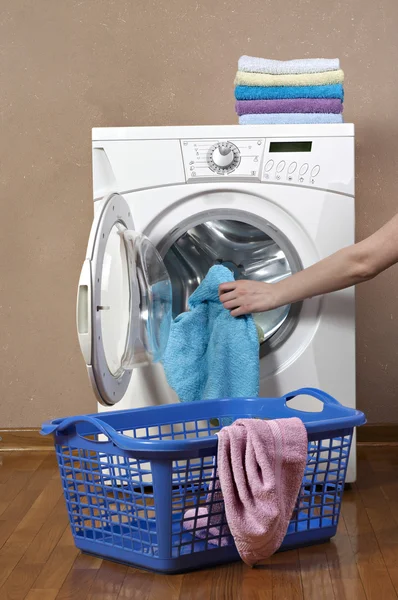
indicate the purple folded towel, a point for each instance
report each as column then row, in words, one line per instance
column 289, row 105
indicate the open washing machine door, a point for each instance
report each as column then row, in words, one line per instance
column 124, row 302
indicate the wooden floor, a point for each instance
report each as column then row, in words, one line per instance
column 38, row 560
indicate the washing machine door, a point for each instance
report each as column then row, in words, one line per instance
column 124, row 302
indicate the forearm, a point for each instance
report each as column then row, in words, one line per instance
column 350, row 266
column 344, row 269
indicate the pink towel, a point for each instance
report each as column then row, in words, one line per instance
column 260, row 467
column 215, row 530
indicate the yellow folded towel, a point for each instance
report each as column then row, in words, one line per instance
column 265, row 80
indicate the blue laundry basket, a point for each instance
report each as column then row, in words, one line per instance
column 129, row 477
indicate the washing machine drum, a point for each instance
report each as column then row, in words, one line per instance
column 249, row 252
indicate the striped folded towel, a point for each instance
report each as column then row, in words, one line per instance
column 248, row 92
column 289, row 105
column 290, row 118
column 266, row 80
column 252, row 64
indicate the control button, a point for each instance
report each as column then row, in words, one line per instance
column 269, row 165
column 315, row 171
column 304, row 169
column 278, row 177
column 312, row 181
column 280, row 166
column 292, row 168
column 301, row 180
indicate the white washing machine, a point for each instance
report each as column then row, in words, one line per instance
column 169, row 202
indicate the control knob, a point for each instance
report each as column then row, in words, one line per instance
column 223, row 157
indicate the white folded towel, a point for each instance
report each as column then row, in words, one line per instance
column 251, row 64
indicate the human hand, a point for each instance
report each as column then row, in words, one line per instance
column 246, row 296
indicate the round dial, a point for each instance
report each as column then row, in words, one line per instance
column 223, row 157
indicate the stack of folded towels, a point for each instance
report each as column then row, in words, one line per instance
column 308, row 90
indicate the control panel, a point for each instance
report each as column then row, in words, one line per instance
column 214, row 159
column 321, row 162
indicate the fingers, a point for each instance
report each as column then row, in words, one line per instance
column 228, row 296
column 229, row 286
column 234, row 303
column 238, row 312
column 231, row 297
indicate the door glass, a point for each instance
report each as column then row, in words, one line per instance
column 136, row 302
column 246, row 250
column 156, row 298
column 115, row 300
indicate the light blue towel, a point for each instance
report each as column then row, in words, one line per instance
column 289, row 118
column 211, row 354
column 252, row 64
column 250, row 92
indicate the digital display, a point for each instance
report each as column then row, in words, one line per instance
column 290, row 146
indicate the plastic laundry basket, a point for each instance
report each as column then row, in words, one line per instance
column 129, row 477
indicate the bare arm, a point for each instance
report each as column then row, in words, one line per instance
column 350, row 266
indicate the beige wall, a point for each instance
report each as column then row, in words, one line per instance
column 67, row 66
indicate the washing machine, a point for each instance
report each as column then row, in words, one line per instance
column 170, row 202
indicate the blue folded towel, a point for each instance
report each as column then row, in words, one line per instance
column 289, row 118
column 250, row 92
column 211, row 354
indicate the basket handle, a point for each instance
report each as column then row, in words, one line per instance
column 116, row 438
column 315, row 393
